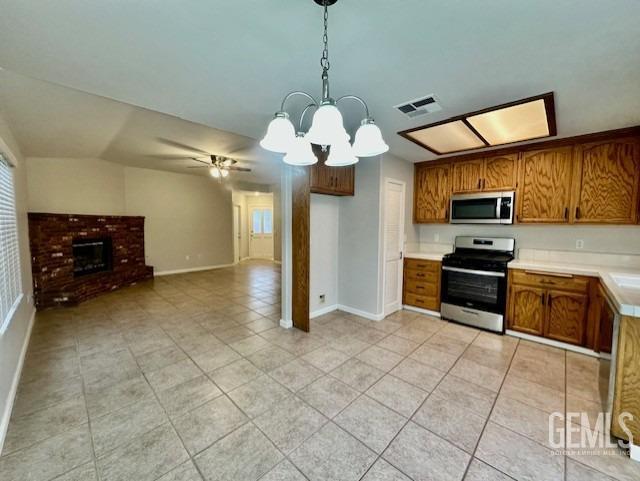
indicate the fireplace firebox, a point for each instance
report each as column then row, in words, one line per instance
column 92, row 255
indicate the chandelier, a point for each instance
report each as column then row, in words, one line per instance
column 327, row 127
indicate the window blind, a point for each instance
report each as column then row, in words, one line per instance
column 10, row 283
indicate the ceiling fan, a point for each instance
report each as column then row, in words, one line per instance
column 219, row 166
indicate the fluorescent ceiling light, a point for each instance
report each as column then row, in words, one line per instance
column 526, row 119
column 449, row 137
column 512, row 124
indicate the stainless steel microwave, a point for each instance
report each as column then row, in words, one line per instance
column 482, row 208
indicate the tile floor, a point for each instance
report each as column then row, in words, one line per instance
column 189, row 378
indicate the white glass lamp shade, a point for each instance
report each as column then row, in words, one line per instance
column 327, row 127
column 280, row 134
column 369, row 141
column 214, row 172
column 341, row 155
column 300, row 152
column 224, row 172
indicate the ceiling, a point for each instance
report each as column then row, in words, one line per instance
column 53, row 121
column 227, row 64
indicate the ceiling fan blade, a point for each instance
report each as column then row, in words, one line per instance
column 180, row 145
column 201, row 161
column 238, row 169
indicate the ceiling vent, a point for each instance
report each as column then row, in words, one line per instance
column 420, row 106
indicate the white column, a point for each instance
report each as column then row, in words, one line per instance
column 286, row 203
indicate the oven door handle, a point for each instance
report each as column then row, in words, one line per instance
column 471, row 271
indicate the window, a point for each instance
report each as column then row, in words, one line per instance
column 10, row 284
column 262, row 221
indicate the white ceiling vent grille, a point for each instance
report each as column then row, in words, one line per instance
column 420, row 106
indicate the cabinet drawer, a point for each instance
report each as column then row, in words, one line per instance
column 422, row 276
column 421, row 288
column 553, row 281
column 422, row 265
column 425, row 302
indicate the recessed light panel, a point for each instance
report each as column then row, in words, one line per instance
column 449, row 137
column 526, row 119
column 512, row 124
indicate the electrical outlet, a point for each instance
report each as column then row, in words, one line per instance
column 579, row 244
column 187, row 257
column 321, row 296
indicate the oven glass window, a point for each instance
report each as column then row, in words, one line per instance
column 474, row 209
column 483, row 290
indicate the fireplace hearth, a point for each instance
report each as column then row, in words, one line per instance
column 92, row 255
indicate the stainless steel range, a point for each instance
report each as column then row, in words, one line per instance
column 474, row 281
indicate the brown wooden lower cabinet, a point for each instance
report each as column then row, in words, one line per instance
column 422, row 284
column 626, row 398
column 560, row 307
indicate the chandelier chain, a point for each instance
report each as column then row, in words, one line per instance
column 324, row 60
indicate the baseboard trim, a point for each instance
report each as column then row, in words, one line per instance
column 358, row 312
column 558, row 344
column 192, row 269
column 286, row 324
column 6, row 415
column 323, row 311
column 422, row 311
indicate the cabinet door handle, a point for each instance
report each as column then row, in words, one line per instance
column 577, row 212
column 479, row 183
column 566, row 213
column 484, row 183
column 542, row 296
column 550, row 300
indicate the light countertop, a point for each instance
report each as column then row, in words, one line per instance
column 430, row 252
column 625, row 299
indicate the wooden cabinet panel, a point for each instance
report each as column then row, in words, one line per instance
column 421, row 286
column 566, row 282
column 567, row 316
column 606, row 182
column 422, row 265
column 527, row 306
column 544, row 186
column 467, row 176
column 331, row 180
column 626, row 398
column 500, row 173
column 431, row 193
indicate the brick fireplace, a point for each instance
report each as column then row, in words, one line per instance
column 78, row 257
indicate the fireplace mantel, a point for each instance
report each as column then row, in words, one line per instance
column 51, row 237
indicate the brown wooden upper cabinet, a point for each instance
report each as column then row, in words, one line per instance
column 332, row 180
column 544, row 187
column 431, row 193
column 484, row 175
column 605, row 182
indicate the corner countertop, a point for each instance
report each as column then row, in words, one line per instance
column 429, row 252
column 626, row 300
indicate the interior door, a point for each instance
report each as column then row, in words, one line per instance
column 261, row 240
column 236, row 233
column 394, row 201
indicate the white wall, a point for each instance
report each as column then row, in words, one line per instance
column 75, row 186
column 15, row 339
column 188, row 218
column 609, row 239
column 359, row 236
column 186, row 215
column 323, row 276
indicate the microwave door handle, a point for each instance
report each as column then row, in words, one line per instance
column 498, row 207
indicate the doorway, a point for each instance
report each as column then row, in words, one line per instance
column 394, row 206
column 261, row 238
column 237, row 232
